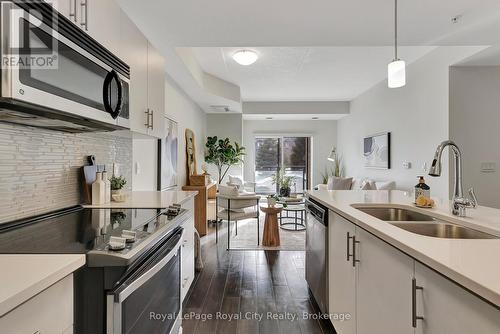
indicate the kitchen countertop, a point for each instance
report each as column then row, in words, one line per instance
column 25, row 275
column 470, row 263
column 148, row 200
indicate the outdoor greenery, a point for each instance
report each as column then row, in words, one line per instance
column 117, row 183
column 222, row 154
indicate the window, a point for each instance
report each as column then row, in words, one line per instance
column 274, row 153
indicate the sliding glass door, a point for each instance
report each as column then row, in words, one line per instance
column 273, row 153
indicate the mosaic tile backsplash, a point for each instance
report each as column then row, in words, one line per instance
column 40, row 169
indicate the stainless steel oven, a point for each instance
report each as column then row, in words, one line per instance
column 148, row 298
column 56, row 76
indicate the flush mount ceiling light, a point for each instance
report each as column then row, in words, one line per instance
column 396, row 70
column 245, row 57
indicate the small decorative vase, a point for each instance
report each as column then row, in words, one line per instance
column 271, row 202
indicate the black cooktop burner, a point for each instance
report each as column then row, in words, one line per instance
column 75, row 230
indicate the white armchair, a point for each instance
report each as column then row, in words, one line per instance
column 234, row 206
column 243, row 186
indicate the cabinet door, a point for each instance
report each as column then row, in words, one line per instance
column 383, row 291
column 101, row 20
column 341, row 274
column 156, row 91
column 69, row 8
column 449, row 309
column 134, row 51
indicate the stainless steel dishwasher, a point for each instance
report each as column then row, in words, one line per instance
column 317, row 252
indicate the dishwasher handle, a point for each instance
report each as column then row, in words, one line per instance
column 318, row 212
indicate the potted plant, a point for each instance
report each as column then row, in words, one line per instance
column 284, row 183
column 117, row 184
column 222, row 154
column 273, row 199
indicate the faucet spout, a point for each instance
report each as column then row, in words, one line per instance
column 459, row 202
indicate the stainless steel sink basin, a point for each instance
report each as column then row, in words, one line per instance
column 395, row 214
column 422, row 224
column 443, row 230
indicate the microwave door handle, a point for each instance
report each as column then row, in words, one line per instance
column 121, row 294
column 110, row 77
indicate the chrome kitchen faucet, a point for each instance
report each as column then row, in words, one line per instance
column 459, row 202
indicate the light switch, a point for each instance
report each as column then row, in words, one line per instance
column 137, row 168
column 407, row 165
column 488, row 167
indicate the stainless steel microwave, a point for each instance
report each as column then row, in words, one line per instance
column 55, row 76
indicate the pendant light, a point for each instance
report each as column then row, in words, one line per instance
column 396, row 70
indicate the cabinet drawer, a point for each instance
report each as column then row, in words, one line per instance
column 51, row 311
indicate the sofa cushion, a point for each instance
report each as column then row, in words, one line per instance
column 235, row 180
column 339, row 183
column 367, row 186
column 228, row 190
column 385, row 185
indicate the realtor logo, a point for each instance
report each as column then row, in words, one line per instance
column 31, row 39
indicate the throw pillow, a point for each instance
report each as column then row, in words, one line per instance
column 339, row 183
column 237, row 181
column 388, row 185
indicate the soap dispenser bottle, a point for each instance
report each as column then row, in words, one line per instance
column 422, row 189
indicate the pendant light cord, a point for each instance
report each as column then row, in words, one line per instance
column 395, row 29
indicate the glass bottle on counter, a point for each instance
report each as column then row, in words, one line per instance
column 422, row 189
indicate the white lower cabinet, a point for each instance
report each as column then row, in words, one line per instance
column 449, row 309
column 386, row 291
column 383, row 289
column 187, row 263
column 51, row 311
column 342, row 274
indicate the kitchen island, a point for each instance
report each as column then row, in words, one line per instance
column 378, row 271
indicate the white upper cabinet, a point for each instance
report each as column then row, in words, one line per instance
column 69, row 8
column 101, row 20
column 384, row 282
column 448, row 308
column 156, row 92
column 134, row 51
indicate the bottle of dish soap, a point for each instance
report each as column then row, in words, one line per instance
column 422, row 189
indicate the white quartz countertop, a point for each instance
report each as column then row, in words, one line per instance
column 148, row 200
column 25, row 275
column 472, row 263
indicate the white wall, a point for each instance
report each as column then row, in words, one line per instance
column 225, row 126
column 474, row 126
column 416, row 115
column 188, row 115
column 323, row 133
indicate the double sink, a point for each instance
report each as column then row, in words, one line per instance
column 418, row 223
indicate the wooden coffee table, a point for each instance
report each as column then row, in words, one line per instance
column 271, row 237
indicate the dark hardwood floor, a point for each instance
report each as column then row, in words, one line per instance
column 249, row 285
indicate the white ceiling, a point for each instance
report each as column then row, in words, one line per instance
column 293, row 117
column 310, row 50
column 305, row 23
column 304, row 73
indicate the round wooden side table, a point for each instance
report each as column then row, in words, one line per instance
column 271, row 237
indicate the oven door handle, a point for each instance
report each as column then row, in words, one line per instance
column 125, row 290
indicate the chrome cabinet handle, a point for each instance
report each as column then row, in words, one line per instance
column 414, row 316
column 354, row 243
column 72, row 13
column 348, row 251
column 84, row 6
column 147, row 118
column 152, row 120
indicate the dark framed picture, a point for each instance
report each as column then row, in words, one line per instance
column 167, row 156
column 377, row 151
